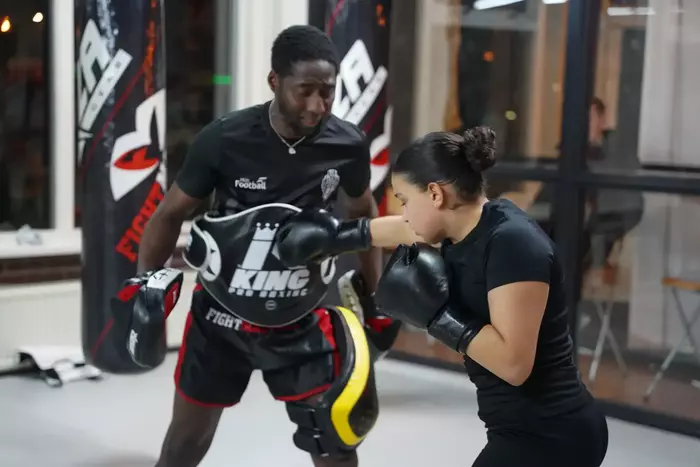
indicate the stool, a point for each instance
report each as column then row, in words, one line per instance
column 604, row 307
column 676, row 285
column 604, row 302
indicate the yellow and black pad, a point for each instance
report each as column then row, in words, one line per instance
column 340, row 419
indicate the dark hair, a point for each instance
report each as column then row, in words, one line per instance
column 301, row 44
column 442, row 157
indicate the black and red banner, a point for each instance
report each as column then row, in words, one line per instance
column 360, row 31
column 120, row 75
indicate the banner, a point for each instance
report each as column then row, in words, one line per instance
column 360, row 31
column 121, row 151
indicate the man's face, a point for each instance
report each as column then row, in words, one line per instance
column 305, row 97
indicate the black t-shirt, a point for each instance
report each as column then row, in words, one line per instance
column 506, row 247
column 244, row 161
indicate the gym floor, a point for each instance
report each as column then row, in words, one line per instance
column 428, row 418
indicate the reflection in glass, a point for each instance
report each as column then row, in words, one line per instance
column 501, row 67
column 646, row 76
column 639, row 296
column 24, row 160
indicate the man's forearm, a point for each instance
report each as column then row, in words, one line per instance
column 158, row 242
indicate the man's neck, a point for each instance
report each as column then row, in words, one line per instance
column 278, row 123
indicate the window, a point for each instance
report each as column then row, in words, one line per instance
column 25, row 162
column 190, row 56
column 640, row 300
column 646, row 80
column 495, row 64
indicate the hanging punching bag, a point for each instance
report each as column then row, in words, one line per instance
column 121, row 151
column 360, row 31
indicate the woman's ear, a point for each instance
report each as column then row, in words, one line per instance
column 272, row 80
column 437, row 194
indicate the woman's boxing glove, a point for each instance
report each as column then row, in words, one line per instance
column 414, row 288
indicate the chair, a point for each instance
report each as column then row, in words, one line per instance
column 603, row 299
column 676, row 285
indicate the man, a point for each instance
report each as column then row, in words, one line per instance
column 290, row 151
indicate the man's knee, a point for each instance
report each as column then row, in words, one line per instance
column 189, row 435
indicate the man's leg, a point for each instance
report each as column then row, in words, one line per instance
column 189, row 435
column 211, row 374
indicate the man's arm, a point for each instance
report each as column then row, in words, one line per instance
column 163, row 229
column 195, row 182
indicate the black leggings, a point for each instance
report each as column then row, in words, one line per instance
column 576, row 440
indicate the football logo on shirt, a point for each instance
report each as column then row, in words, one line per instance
column 255, row 185
column 257, row 277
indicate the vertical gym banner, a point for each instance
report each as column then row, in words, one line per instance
column 360, row 31
column 121, row 151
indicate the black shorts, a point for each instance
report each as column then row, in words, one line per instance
column 579, row 439
column 219, row 353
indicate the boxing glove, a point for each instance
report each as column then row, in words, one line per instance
column 414, row 288
column 314, row 235
column 148, row 299
column 381, row 330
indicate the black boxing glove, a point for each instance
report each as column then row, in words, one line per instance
column 381, row 330
column 414, row 288
column 314, row 235
column 148, row 300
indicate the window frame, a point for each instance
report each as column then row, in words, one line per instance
column 63, row 238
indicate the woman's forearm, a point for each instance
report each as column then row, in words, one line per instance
column 391, row 231
column 490, row 350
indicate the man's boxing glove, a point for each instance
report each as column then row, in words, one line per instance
column 148, row 300
column 381, row 330
column 414, row 288
column 314, row 235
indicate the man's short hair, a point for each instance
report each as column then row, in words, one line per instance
column 301, row 44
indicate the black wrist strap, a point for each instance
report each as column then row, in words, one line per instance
column 453, row 330
column 353, row 235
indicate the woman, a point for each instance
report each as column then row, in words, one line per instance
column 494, row 291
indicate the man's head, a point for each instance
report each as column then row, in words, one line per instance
column 303, row 76
column 596, row 126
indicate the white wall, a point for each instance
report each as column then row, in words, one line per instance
column 50, row 314
column 668, row 239
column 257, row 24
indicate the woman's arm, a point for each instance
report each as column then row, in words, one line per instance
column 518, row 271
column 508, row 345
column 391, row 231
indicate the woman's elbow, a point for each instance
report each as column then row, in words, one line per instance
column 517, row 372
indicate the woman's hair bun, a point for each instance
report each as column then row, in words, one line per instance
column 479, row 147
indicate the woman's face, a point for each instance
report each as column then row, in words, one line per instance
column 421, row 208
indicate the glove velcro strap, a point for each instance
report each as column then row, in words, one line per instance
column 454, row 331
column 353, row 235
column 166, row 283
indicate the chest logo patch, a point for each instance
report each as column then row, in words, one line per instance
column 329, row 184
